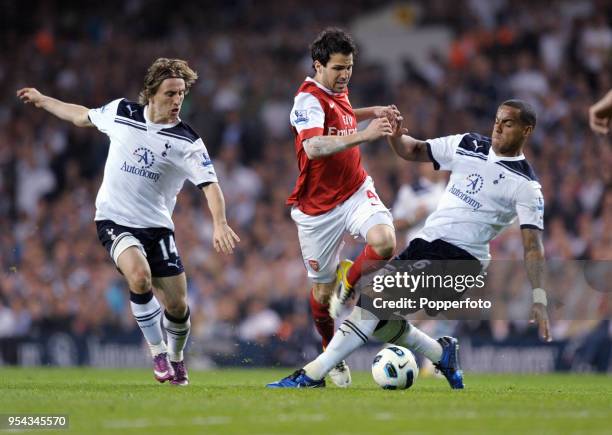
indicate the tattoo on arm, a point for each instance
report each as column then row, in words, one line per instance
column 534, row 256
column 321, row 146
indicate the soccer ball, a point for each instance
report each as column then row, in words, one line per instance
column 394, row 368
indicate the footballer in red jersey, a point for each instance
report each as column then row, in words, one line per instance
column 333, row 193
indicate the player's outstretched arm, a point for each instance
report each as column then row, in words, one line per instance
column 66, row 111
column 534, row 263
column 224, row 238
column 323, row 146
column 407, row 147
column 390, row 112
column 600, row 114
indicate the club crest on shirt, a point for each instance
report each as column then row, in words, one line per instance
column 167, row 147
column 499, row 178
column 314, row 264
column 301, row 116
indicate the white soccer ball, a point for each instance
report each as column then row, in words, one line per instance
column 394, row 368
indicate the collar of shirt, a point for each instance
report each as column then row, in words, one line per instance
column 328, row 91
column 495, row 158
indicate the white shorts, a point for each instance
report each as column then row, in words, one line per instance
column 321, row 236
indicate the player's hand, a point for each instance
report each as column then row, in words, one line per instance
column 224, row 238
column 599, row 118
column 390, row 112
column 539, row 316
column 379, row 127
column 30, row 95
column 398, row 129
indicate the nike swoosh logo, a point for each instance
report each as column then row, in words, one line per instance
column 160, row 374
column 332, row 105
column 401, row 366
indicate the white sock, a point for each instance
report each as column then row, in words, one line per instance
column 147, row 312
column 156, row 349
column 352, row 334
column 177, row 332
column 416, row 340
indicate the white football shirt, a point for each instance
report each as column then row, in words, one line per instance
column 484, row 195
column 146, row 166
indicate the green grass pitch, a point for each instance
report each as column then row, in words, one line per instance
column 235, row 401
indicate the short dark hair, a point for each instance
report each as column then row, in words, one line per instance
column 330, row 41
column 527, row 114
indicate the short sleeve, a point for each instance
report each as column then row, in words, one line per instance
column 198, row 165
column 307, row 116
column 103, row 117
column 442, row 150
column 530, row 206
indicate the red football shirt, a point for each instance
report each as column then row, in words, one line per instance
column 326, row 182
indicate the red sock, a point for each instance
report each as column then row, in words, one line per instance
column 359, row 268
column 322, row 320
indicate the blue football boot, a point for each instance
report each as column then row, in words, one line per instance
column 449, row 363
column 297, row 380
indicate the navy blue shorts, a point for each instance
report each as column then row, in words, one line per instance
column 438, row 249
column 158, row 243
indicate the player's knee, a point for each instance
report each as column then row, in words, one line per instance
column 176, row 308
column 139, row 280
column 385, row 251
column 383, row 243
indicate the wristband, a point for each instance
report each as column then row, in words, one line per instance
column 539, row 296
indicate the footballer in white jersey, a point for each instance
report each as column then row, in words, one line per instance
column 485, row 194
column 491, row 185
column 151, row 154
column 147, row 165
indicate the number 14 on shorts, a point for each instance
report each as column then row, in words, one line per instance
column 171, row 247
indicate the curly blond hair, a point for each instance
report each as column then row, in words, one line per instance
column 162, row 69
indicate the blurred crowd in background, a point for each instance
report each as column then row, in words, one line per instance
column 251, row 57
